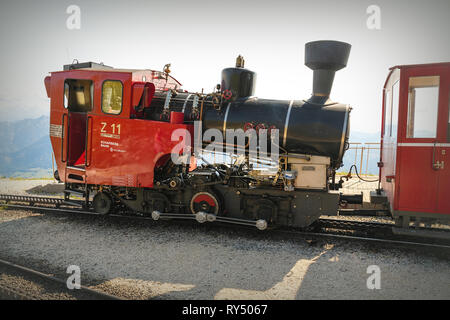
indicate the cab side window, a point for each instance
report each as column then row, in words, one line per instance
column 112, row 91
column 78, row 95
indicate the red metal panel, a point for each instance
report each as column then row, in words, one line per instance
column 58, row 121
column 125, row 151
column 418, row 181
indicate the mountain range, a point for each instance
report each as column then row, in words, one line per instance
column 25, row 148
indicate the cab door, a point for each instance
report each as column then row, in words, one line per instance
column 78, row 100
column 424, row 101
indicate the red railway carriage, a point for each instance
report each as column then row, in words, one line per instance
column 415, row 144
column 97, row 133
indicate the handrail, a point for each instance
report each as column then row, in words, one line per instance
column 363, row 150
column 63, row 136
column 88, row 153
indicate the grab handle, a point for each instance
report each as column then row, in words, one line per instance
column 63, row 137
column 88, row 141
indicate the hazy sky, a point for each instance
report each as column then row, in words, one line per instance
column 199, row 38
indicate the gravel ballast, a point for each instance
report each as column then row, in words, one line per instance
column 137, row 259
column 146, row 260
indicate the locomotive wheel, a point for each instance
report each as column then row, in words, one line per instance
column 102, row 203
column 206, row 202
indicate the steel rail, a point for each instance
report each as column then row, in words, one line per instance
column 391, row 241
column 324, row 223
column 83, row 289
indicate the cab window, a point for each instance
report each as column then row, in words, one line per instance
column 112, row 91
column 78, row 95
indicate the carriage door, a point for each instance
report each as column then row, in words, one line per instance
column 78, row 99
column 443, row 155
column 420, row 190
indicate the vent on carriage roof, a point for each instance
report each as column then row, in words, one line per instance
column 84, row 65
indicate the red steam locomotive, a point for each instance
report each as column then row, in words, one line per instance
column 132, row 138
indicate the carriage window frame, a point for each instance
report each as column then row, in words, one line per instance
column 412, row 107
column 121, row 97
column 65, row 102
column 395, row 105
column 387, row 112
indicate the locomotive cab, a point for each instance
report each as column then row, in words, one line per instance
column 98, row 130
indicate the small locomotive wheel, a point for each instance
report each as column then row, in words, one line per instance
column 227, row 94
column 102, row 203
column 204, row 201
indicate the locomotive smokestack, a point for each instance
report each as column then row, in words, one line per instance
column 325, row 58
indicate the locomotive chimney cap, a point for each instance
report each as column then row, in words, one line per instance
column 325, row 57
column 327, row 54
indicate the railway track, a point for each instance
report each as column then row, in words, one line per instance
column 22, row 283
column 328, row 228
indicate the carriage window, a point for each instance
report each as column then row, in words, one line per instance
column 387, row 112
column 78, row 95
column 395, row 102
column 112, row 97
column 423, row 102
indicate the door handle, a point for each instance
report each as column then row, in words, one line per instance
column 438, row 165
